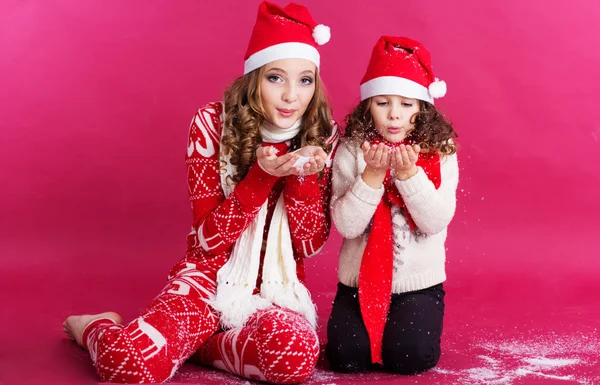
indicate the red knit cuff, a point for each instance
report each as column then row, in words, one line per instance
column 255, row 187
column 302, row 187
column 92, row 325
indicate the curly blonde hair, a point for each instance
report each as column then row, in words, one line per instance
column 431, row 129
column 244, row 114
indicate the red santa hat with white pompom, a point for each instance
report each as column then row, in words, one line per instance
column 284, row 33
column 401, row 66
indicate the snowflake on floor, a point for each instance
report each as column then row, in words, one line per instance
column 546, row 357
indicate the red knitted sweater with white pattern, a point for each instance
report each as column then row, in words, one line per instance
column 218, row 221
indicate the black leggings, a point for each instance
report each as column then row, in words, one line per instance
column 411, row 338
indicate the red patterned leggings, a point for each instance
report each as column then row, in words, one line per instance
column 276, row 345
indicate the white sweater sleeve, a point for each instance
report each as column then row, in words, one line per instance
column 431, row 209
column 353, row 202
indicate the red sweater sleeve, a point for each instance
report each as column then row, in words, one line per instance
column 218, row 222
column 307, row 203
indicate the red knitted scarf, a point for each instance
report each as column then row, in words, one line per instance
column 376, row 269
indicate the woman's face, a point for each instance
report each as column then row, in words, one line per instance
column 392, row 116
column 286, row 89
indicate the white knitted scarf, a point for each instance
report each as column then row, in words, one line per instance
column 236, row 280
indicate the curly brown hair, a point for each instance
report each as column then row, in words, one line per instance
column 244, row 114
column 431, row 129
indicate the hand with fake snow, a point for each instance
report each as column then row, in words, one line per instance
column 311, row 159
column 377, row 157
column 404, row 161
column 276, row 165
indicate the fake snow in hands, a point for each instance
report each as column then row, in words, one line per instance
column 301, row 161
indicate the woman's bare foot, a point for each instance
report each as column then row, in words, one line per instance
column 75, row 324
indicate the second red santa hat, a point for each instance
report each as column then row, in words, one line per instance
column 401, row 66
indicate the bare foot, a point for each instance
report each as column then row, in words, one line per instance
column 75, row 324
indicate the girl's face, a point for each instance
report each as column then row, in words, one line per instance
column 286, row 89
column 392, row 116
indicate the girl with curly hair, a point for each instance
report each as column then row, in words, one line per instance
column 394, row 194
column 258, row 179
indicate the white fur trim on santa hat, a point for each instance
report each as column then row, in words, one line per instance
column 437, row 89
column 321, row 34
column 282, row 51
column 393, row 85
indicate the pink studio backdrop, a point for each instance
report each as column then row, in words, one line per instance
column 95, row 102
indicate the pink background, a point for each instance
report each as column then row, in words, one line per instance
column 95, row 102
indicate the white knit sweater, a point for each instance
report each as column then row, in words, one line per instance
column 420, row 255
